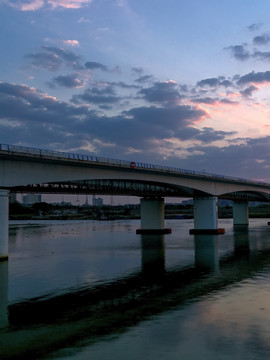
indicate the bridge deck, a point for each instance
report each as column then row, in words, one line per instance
column 28, row 152
column 122, row 177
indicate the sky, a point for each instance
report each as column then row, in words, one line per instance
column 177, row 83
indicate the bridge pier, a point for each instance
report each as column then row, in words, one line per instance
column 240, row 213
column 206, row 216
column 152, row 217
column 4, row 213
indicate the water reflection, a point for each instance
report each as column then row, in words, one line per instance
column 241, row 242
column 240, row 228
column 90, row 312
column 153, row 256
column 3, row 294
column 206, row 252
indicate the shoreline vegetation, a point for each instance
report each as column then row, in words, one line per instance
column 47, row 211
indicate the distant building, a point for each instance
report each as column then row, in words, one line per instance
column 31, row 199
column 97, row 201
column 187, row 202
column 86, row 204
column 224, row 203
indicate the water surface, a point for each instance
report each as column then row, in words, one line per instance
column 96, row 290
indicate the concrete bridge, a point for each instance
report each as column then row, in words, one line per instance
column 24, row 169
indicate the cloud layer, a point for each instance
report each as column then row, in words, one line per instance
column 127, row 112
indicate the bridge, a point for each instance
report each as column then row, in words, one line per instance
column 24, row 169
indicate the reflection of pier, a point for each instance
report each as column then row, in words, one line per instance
column 3, row 294
column 92, row 312
column 206, row 252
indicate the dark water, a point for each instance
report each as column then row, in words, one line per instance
column 96, row 290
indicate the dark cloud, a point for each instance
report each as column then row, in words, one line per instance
column 261, row 55
column 37, row 118
column 261, row 39
column 206, row 100
column 214, row 101
column 123, row 85
column 214, row 82
column 145, row 79
column 30, row 117
column 92, row 65
column 161, row 92
column 137, row 70
column 208, row 135
column 17, row 91
column 249, row 91
column 68, row 81
column 173, row 118
column 183, row 87
column 143, row 127
column 226, row 83
column 254, row 27
column 239, row 52
column 105, row 95
column 52, row 58
column 247, row 160
column 228, row 101
column 254, row 77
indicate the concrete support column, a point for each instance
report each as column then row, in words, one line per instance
column 152, row 216
column 206, row 216
column 4, row 206
column 240, row 213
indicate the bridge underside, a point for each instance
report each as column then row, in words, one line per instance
column 132, row 188
column 246, row 196
column 115, row 187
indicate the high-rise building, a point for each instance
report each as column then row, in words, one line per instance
column 97, row 201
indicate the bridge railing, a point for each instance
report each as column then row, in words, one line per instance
column 15, row 149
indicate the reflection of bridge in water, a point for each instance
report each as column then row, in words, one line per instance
column 48, row 323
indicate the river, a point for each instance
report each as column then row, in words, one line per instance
column 95, row 290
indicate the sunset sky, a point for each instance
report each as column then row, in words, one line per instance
column 181, row 83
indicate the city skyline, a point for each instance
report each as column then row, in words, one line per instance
column 180, row 83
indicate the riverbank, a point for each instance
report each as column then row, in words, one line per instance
column 47, row 212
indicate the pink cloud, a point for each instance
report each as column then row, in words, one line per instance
column 68, row 4
column 71, row 42
column 28, row 6
column 33, row 5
